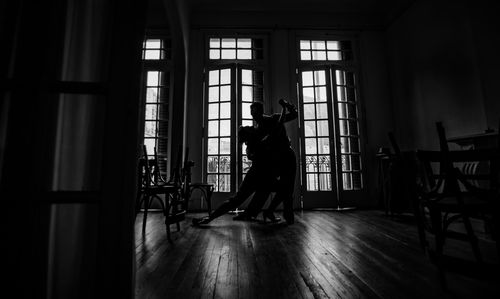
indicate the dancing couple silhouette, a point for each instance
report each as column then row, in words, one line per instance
column 273, row 167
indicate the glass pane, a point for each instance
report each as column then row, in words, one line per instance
column 322, row 111
column 323, row 146
column 225, row 128
column 318, row 55
column 307, row 78
column 163, row 94
column 347, row 182
column 309, row 128
column 215, row 43
column 224, row 183
column 353, row 127
column 343, row 127
column 213, row 128
column 354, row 142
column 332, row 45
column 151, row 112
column 247, row 122
column 152, row 78
column 150, row 144
column 213, row 77
column 246, row 93
column 339, row 78
column 225, row 110
column 213, row 164
column 246, row 164
column 309, row 111
column 342, row 110
column 225, row 76
column 213, row 146
column 213, row 111
column 308, row 94
column 228, row 43
column 311, row 146
column 357, row 180
column 318, row 44
column 311, row 164
column 344, row 145
column 305, row 45
column 334, row 55
column 319, row 78
column 245, row 110
column 244, row 43
column 320, row 94
column 346, row 163
column 244, row 54
column 225, row 164
column 214, row 54
column 325, row 182
column 163, row 112
column 355, row 162
column 305, row 55
column 153, row 44
column 324, row 163
column 151, row 95
column 341, row 96
column 150, row 129
column 152, row 54
column 225, row 146
column 312, row 182
column 213, row 94
column 212, row 179
column 350, row 94
column 246, row 77
column 228, row 54
column 225, row 93
column 322, row 128
column 351, row 111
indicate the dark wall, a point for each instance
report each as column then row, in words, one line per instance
column 440, row 56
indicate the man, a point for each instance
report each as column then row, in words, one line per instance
column 282, row 160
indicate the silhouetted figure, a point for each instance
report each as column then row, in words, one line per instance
column 282, row 158
column 269, row 149
column 257, row 178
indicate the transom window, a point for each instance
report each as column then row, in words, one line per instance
column 329, row 50
column 156, row 49
column 235, row 48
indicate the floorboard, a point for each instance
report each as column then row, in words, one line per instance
column 325, row 254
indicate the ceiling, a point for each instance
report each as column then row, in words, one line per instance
column 338, row 6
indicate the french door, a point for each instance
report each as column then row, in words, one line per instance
column 230, row 90
column 330, row 157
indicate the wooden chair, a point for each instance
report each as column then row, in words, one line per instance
column 450, row 194
column 205, row 189
column 153, row 186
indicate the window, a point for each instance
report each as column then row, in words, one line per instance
column 329, row 50
column 156, row 90
column 235, row 48
column 235, row 79
column 329, row 116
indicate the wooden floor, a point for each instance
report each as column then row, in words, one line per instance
column 356, row 254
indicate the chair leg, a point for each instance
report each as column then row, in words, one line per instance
column 439, row 243
column 472, row 238
column 145, row 216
